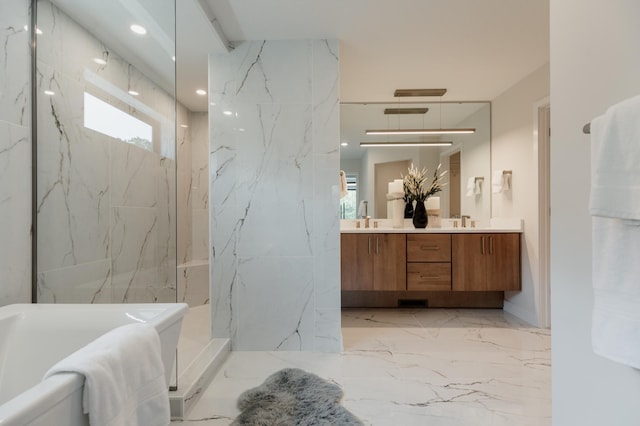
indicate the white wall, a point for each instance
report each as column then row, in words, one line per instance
column 475, row 157
column 514, row 148
column 595, row 62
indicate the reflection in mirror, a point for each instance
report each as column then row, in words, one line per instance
column 466, row 160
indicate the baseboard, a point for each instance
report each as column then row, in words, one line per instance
column 523, row 314
column 195, row 379
column 422, row 299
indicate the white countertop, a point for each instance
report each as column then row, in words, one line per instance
column 494, row 225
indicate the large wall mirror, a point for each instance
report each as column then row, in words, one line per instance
column 467, row 159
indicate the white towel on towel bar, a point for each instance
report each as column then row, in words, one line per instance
column 474, row 186
column 615, row 207
column 470, row 187
column 124, row 378
column 343, row 184
column 498, row 181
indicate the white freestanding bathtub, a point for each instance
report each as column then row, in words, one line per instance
column 33, row 337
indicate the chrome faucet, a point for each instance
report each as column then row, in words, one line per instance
column 464, row 220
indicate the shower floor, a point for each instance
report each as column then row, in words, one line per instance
column 198, row 359
column 194, row 335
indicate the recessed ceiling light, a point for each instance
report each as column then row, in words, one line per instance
column 133, row 93
column 138, row 29
column 227, row 112
column 201, row 92
column 49, row 93
column 99, row 61
column 184, row 126
column 344, row 144
column 173, row 58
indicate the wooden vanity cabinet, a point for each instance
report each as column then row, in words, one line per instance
column 429, row 262
column 375, row 261
column 486, row 262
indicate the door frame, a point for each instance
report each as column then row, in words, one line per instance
column 542, row 140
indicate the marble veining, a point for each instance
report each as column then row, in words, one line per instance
column 106, row 208
column 412, row 367
column 15, row 226
column 272, row 193
column 15, row 63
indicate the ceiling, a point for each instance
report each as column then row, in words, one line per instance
column 475, row 49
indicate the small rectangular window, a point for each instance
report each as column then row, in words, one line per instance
column 111, row 121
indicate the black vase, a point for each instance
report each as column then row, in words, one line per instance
column 408, row 210
column 420, row 218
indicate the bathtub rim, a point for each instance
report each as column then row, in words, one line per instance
column 177, row 309
column 55, row 389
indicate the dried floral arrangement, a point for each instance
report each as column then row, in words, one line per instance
column 414, row 183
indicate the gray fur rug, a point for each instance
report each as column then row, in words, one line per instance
column 293, row 397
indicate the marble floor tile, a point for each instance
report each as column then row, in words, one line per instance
column 412, row 367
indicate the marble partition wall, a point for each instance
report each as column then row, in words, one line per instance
column 274, row 167
column 106, row 208
column 15, row 153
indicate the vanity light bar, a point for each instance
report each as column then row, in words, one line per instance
column 419, row 131
column 403, row 144
column 419, row 92
column 406, row 110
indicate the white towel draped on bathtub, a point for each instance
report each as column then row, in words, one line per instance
column 615, row 207
column 124, row 378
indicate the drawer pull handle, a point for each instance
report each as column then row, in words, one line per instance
column 429, row 277
column 425, row 247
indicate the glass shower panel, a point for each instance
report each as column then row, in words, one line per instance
column 106, row 163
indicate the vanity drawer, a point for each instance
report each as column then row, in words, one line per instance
column 429, row 248
column 435, row 276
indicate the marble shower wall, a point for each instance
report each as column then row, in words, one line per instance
column 15, row 154
column 200, row 185
column 193, row 209
column 106, row 208
column 274, row 158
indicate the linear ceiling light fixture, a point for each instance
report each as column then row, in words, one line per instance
column 403, row 144
column 420, row 131
column 419, row 92
column 406, row 110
